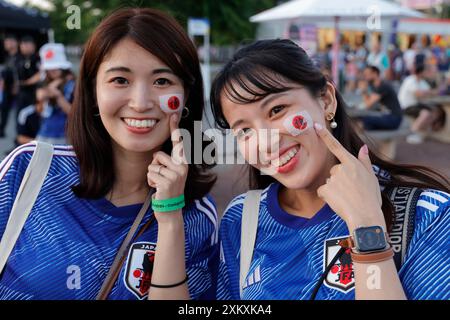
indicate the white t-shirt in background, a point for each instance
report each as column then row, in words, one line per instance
column 406, row 93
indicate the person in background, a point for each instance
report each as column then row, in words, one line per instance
column 412, row 89
column 409, row 57
column 328, row 56
column 378, row 58
column 60, row 89
column 360, row 56
column 444, row 88
column 351, row 73
column 2, row 85
column 29, row 118
column 397, row 65
column 28, row 73
column 443, row 61
column 10, row 80
column 382, row 92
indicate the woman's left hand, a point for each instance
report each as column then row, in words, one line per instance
column 352, row 190
column 168, row 174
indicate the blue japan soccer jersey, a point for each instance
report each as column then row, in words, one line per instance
column 68, row 244
column 292, row 252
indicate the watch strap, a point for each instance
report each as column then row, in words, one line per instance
column 350, row 243
column 372, row 257
column 347, row 243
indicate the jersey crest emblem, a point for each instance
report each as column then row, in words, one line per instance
column 139, row 268
column 341, row 276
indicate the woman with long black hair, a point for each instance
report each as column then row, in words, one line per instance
column 117, row 216
column 329, row 210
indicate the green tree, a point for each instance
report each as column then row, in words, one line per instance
column 229, row 19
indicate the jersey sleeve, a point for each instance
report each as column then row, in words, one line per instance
column 202, row 248
column 425, row 273
column 12, row 169
column 23, row 122
column 229, row 237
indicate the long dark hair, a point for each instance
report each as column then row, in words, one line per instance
column 258, row 68
column 163, row 37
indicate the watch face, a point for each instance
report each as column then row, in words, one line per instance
column 370, row 239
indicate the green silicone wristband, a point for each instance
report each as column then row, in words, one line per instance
column 167, row 205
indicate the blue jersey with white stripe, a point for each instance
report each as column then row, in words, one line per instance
column 291, row 252
column 68, row 244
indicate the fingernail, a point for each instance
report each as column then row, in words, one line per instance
column 318, row 126
column 175, row 117
column 365, row 149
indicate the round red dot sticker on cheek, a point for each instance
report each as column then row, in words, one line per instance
column 299, row 123
column 173, row 103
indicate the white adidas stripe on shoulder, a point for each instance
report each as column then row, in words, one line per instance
column 63, row 146
column 265, row 192
column 427, row 205
column 212, row 215
column 431, row 199
column 436, row 195
column 210, row 205
column 8, row 161
column 241, row 199
column 236, row 201
column 24, row 113
column 59, row 150
column 66, row 153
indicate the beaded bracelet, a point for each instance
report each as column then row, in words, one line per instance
column 167, row 205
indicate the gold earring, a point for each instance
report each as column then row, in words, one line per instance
column 185, row 113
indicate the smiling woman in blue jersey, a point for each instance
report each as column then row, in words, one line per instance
column 327, row 201
column 121, row 140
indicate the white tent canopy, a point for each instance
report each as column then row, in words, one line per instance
column 335, row 8
column 337, row 11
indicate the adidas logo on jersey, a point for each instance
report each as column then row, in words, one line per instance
column 253, row 277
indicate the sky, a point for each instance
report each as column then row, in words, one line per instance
column 45, row 4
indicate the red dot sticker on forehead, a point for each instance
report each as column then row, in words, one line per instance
column 173, row 103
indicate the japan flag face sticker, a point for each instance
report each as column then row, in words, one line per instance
column 298, row 123
column 171, row 103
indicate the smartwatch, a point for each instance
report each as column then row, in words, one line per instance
column 369, row 239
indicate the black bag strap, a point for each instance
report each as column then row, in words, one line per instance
column 404, row 200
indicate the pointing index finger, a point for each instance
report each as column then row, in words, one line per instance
column 174, row 130
column 178, row 155
column 332, row 143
